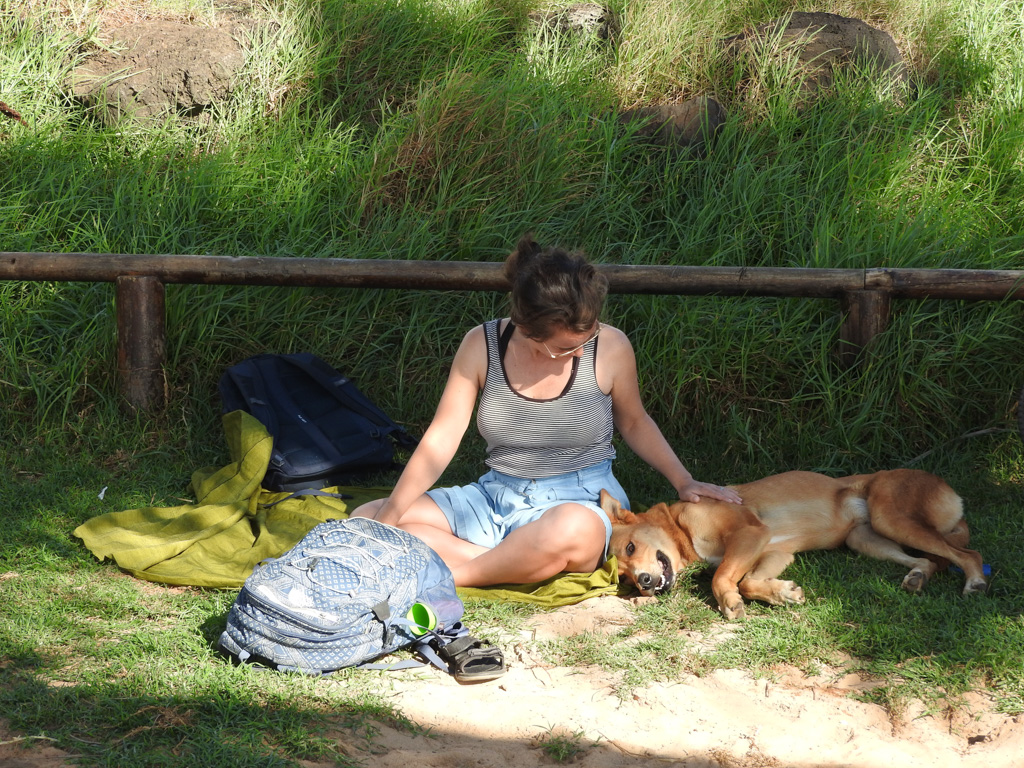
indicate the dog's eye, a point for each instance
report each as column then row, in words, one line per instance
column 630, row 548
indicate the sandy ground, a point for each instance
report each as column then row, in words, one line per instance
column 726, row 719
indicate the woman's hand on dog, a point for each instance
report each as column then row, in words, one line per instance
column 695, row 491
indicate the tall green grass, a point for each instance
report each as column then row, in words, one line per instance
column 442, row 131
column 436, row 130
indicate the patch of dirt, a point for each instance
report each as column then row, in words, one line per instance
column 155, row 68
column 19, row 752
column 726, row 719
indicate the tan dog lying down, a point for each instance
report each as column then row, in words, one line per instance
column 793, row 512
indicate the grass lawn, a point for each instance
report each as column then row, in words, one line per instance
column 433, row 130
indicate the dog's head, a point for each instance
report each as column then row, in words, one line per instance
column 648, row 557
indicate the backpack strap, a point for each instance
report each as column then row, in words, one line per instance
column 424, row 646
column 433, row 639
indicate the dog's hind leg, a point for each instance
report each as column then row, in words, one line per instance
column 760, row 583
column 866, row 540
column 941, row 548
column 957, row 539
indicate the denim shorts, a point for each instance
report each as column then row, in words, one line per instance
column 487, row 511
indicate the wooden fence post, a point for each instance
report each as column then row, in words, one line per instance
column 866, row 316
column 141, row 342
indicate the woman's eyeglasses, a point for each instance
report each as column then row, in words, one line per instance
column 566, row 353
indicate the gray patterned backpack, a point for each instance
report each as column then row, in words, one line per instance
column 344, row 596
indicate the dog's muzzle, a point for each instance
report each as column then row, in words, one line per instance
column 656, row 583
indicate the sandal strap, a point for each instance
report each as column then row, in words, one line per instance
column 459, row 645
column 458, row 652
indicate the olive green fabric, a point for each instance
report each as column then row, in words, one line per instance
column 565, row 589
column 235, row 524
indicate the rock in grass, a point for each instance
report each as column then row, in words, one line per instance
column 584, row 21
column 690, row 125
column 819, row 44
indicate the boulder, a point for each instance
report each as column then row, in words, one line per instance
column 821, row 43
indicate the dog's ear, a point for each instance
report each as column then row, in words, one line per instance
column 613, row 508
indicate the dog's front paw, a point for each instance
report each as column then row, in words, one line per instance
column 915, row 581
column 643, row 599
column 733, row 608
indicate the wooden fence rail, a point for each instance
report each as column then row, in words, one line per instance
column 865, row 295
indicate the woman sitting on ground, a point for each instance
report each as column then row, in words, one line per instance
column 554, row 383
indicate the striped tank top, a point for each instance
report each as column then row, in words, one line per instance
column 531, row 438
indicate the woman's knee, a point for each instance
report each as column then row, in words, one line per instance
column 369, row 509
column 578, row 530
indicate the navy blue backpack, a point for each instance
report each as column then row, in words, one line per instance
column 325, row 430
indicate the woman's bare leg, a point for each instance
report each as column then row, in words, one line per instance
column 425, row 520
column 569, row 537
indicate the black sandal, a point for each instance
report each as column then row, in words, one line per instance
column 471, row 661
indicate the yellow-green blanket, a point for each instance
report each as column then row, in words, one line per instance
column 235, row 524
